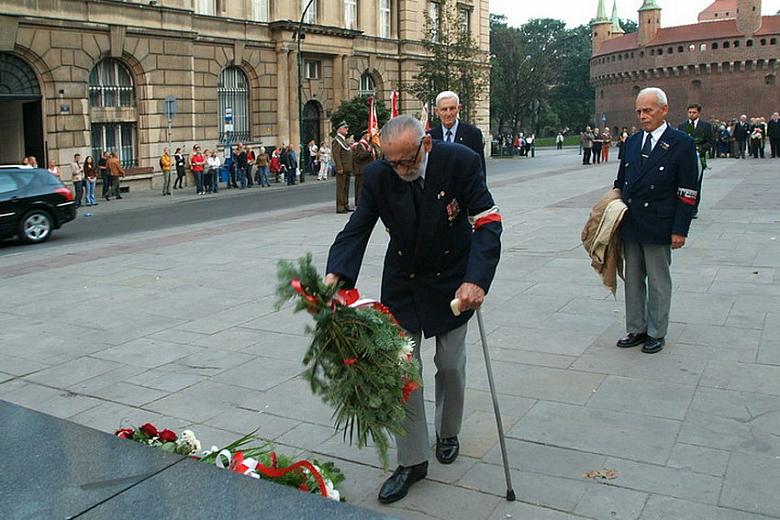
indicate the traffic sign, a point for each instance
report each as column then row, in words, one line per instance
column 170, row 107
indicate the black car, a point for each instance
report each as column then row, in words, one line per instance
column 33, row 203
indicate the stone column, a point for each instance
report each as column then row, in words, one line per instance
column 345, row 77
column 338, row 94
column 292, row 68
column 282, row 97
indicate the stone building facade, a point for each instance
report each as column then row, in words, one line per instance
column 728, row 62
column 91, row 75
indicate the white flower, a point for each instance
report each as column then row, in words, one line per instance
column 407, row 351
column 333, row 493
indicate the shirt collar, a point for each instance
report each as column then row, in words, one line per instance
column 658, row 132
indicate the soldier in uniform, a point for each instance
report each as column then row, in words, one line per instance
column 703, row 137
column 363, row 154
column 658, row 177
column 342, row 156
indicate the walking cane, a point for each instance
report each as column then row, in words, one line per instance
column 510, row 492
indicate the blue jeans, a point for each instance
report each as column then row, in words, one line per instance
column 241, row 173
column 264, row 176
column 199, row 181
column 90, row 185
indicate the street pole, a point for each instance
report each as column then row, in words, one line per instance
column 300, row 36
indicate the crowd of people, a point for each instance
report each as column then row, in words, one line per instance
column 736, row 138
column 519, row 145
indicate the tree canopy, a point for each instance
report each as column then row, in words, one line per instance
column 355, row 113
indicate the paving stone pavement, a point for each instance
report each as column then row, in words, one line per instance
column 178, row 327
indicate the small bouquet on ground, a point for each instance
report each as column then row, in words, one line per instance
column 360, row 360
column 254, row 461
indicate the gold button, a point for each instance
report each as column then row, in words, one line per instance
column 400, row 253
column 447, row 252
column 438, row 275
column 411, row 276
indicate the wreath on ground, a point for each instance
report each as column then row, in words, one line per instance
column 360, row 360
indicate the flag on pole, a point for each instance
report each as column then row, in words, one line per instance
column 394, row 102
column 424, row 118
column 373, row 122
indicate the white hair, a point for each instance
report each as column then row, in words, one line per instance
column 447, row 94
column 659, row 94
column 400, row 125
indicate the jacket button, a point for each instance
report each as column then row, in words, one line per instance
column 629, row 200
column 446, row 252
column 646, row 204
column 652, row 186
column 438, row 275
column 400, row 253
column 411, row 276
column 387, row 229
column 626, row 183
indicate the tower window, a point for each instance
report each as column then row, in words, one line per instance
column 736, row 43
column 726, row 45
column 749, row 43
column 715, row 46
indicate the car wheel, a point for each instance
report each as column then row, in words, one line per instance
column 35, row 227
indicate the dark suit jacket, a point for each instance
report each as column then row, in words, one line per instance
column 425, row 262
column 466, row 135
column 773, row 129
column 703, row 134
column 742, row 131
column 661, row 193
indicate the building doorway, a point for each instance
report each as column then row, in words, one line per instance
column 21, row 104
column 312, row 119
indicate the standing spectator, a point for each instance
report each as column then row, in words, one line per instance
column 530, row 146
column 207, row 172
column 324, row 159
column 342, row 155
column 239, row 159
column 180, row 165
column 598, row 143
column 773, row 133
column 116, row 172
column 586, row 140
column 723, row 141
column 77, row 177
column 276, row 164
column 701, row 133
column 741, row 134
column 313, row 156
column 26, row 162
column 452, row 130
column 762, row 143
column 622, row 141
column 262, row 163
column 559, row 141
column 105, row 175
column 291, row 161
column 197, row 165
column 34, row 162
column 213, row 163
column 53, row 168
column 165, row 166
column 756, row 136
column 250, row 166
column 658, row 178
column 606, row 137
column 90, row 174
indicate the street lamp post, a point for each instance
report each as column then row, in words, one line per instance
column 300, row 36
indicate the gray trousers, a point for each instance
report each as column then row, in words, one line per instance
column 648, row 286
column 450, row 359
column 166, row 189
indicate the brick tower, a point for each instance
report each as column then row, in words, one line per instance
column 649, row 22
column 748, row 16
column 600, row 27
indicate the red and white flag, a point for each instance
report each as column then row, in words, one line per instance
column 373, row 122
column 394, row 103
column 424, row 118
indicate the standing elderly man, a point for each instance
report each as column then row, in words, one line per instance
column 658, row 177
column 444, row 243
column 342, row 156
column 773, row 134
column 453, row 130
column 742, row 134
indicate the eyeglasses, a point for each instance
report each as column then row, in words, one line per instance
column 406, row 163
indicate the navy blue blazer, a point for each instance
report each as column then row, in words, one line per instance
column 467, row 135
column 426, row 261
column 661, row 193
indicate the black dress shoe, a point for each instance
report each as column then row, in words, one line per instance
column 653, row 345
column 397, row 486
column 447, row 449
column 632, row 340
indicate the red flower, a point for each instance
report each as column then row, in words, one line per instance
column 167, row 436
column 409, row 387
column 149, row 430
column 350, row 361
column 347, row 297
column 125, row 433
column 303, row 487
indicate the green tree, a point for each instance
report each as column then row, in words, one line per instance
column 355, row 113
column 573, row 97
column 456, row 62
column 629, row 26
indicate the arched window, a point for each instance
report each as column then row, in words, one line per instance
column 113, row 128
column 233, row 94
column 110, row 85
column 367, row 85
